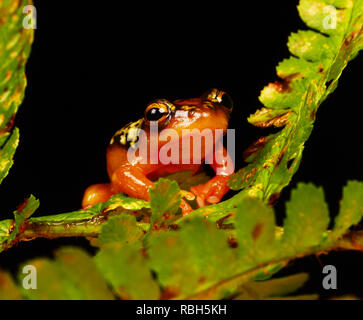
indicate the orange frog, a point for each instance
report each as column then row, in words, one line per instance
column 188, row 120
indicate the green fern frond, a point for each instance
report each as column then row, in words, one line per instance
column 318, row 58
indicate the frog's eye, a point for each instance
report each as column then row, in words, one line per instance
column 221, row 97
column 226, row 101
column 154, row 114
column 157, row 111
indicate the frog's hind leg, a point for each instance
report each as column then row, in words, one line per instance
column 96, row 193
column 131, row 179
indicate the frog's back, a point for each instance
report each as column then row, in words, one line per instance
column 128, row 135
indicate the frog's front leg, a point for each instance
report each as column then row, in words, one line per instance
column 132, row 180
column 127, row 178
column 214, row 190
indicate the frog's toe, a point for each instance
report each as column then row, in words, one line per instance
column 187, row 195
column 212, row 192
column 199, row 192
column 213, row 199
column 186, row 208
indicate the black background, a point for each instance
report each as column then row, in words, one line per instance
column 94, row 67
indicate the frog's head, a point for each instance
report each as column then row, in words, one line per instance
column 210, row 111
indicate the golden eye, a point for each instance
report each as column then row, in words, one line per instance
column 221, row 97
column 154, row 114
column 226, row 100
column 157, row 111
